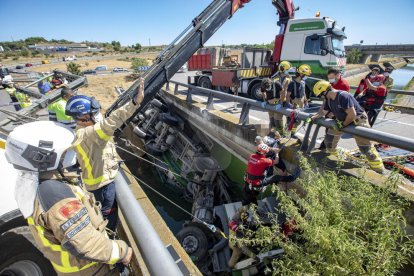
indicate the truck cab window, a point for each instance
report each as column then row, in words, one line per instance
column 338, row 47
column 313, row 45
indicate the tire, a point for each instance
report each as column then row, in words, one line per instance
column 194, row 241
column 223, row 89
column 205, row 82
column 255, row 92
column 169, row 119
column 18, row 256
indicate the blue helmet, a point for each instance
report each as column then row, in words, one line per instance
column 80, row 105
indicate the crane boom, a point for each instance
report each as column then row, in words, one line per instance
column 170, row 60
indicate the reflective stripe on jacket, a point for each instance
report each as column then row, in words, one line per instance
column 57, row 113
column 96, row 152
column 23, row 99
column 68, row 227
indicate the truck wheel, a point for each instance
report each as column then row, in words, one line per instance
column 18, row 256
column 194, row 241
column 205, row 82
column 256, row 92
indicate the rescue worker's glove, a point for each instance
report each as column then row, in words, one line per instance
column 233, row 226
column 338, row 125
column 263, row 104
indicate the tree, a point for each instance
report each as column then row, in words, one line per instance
column 353, row 56
column 74, row 68
column 136, row 62
column 137, row 47
column 343, row 226
column 25, row 52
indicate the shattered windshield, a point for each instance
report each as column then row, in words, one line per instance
column 338, row 46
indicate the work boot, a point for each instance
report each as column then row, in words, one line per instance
column 235, row 256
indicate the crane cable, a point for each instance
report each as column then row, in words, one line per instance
column 146, row 160
column 211, row 227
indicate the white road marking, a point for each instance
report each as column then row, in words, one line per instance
column 394, row 121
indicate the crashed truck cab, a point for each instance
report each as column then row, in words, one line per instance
column 185, row 162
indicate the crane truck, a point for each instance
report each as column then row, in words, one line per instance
column 316, row 41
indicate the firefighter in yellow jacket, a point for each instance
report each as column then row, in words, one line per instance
column 64, row 219
column 96, row 152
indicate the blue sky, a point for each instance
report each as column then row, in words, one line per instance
column 131, row 21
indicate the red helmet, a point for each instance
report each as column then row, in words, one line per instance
column 263, row 149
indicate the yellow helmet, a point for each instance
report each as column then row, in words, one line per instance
column 304, row 69
column 285, row 65
column 320, row 87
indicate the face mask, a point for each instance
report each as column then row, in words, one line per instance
column 286, row 72
column 376, row 83
column 332, row 80
column 304, row 78
column 386, row 74
column 372, row 76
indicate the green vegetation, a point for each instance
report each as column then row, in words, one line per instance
column 344, row 226
column 74, row 68
column 353, row 56
column 136, row 62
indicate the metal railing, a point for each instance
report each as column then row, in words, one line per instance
column 247, row 104
column 156, row 256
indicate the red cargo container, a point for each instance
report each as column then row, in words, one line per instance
column 199, row 62
column 223, row 78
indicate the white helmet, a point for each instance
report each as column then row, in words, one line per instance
column 40, row 146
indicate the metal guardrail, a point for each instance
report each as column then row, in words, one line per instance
column 368, row 133
column 156, row 256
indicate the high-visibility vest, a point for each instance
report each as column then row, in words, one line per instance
column 23, row 99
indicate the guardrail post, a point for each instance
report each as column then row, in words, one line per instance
column 176, row 89
column 189, row 99
column 313, row 141
column 244, row 116
column 210, row 101
column 305, row 143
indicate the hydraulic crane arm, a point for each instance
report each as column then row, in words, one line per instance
column 285, row 9
column 180, row 50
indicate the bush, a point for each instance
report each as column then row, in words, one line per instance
column 87, row 63
column 136, row 62
column 353, row 56
column 74, row 68
column 15, row 58
column 344, row 226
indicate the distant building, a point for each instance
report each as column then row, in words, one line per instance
column 47, row 47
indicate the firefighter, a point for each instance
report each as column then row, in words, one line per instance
column 57, row 109
column 347, row 111
column 241, row 217
column 283, row 78
column 296, row 91
column 271, row 91
column 63, row 218
column 96, row 151
column 256, row 179
column 11, row 90
column 337, row 81
column 371, row 94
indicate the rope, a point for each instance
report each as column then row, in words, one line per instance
column 148, row 161
column 211, row 227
